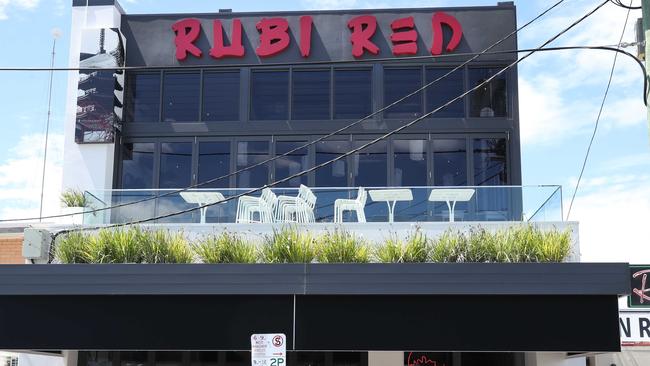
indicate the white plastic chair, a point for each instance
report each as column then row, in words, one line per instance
column 264, row 206
column 342, row 204
column 297, row 209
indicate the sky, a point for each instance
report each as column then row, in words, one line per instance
column 560, row 95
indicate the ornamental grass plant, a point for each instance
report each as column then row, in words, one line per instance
column 415, row 249
column 162, row 246
column 225, row 248
column 289, row 245
column 342, row 247
column 72, row 248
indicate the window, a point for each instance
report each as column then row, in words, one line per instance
column 334, row 174
column 269, row 95
column 449, row 162
column 250, row 153
column 143, row 94
column 133, row 358
column 175, row 164
column 410, row 159
column 490, row 100
column 181, row 97
column 214, row 162
column 291, row 164
column 169, row 358
column 490, row 162
column 311, row 94
column 204, row 359
column 220, row 96
column 352, row 93
column 443, row 91
column 137, row 165
column 370, row 165
column 397, row 84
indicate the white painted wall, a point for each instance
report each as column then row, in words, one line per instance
column 553, row 359
column 85, row 166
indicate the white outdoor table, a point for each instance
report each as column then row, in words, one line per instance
column 391, row 196
column 201, row 199
column 451, row 196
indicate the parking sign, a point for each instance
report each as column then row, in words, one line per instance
column 268, row 349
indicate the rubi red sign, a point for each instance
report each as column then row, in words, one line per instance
column 274, row 36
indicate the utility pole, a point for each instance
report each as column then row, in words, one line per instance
column 645, row 4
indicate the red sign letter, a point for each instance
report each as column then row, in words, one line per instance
column 360, row 37
column 274, row 37
column 404, row 40
column 437, row 21
column 305, row 35
column 235, row 49
column 187, row 32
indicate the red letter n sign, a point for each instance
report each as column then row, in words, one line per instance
column 187, row 32
column 273, row 36
column 363, row 28
column 404, row 37
column 437, row 21
column 236, row 48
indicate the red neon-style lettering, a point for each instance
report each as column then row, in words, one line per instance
column 306, row 22
column 187, row 32
column 220, row 50
column 437, row 21
column 274, row 37
column 363, row 28
column 404, row 41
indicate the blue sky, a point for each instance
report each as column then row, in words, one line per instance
column 559, row 98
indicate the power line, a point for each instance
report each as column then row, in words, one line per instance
column 628, row 7
column 600, row 112
column 319, row 166
column 475, row 56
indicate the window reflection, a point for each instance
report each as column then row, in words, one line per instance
column 204, row 359
column 214, row 162
column 352, row 93
column 443, row 91
column 399, row 83
column 143, row 95
column 250, row 153
column 270, row 95
column 449, row 162
column 369, row 166
column 220, row 96
column 490, row 100
column 311, row 94
column 334, row 174
column 181, row 97
column 490, row 162
column 137, row 165
column 169, row 358
column 133, row 358
column 291, row 164
column 175, row 164
column 410, row 160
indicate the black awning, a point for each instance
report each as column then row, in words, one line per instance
column 566, row 307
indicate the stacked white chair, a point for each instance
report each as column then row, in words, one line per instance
column 342, row 204
column 297, row 209
column 264, row 206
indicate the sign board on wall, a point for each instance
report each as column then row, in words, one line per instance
column 99, row 92
column 268, row 349
column 634, row 327
column 640, row 296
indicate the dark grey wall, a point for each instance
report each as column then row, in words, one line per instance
column 151, row 38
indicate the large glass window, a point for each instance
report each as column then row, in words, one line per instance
column 397, row 84
column 352, row 93
column 169, row 358
column 133, row 358
column 269, row 95
column 175, row 164
column 370, row 165
column 137, row 165
column 214, row 162
column 311, row 94
column 220, row 96
column 143, row 93
column 490, row 100
column 291, row 164
column 443, row 91
column 490, row 162
column 334, row 174
column 449, row 162
column 410, row 160
column 250, row 153
column 204, row 359
column 181, row 97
